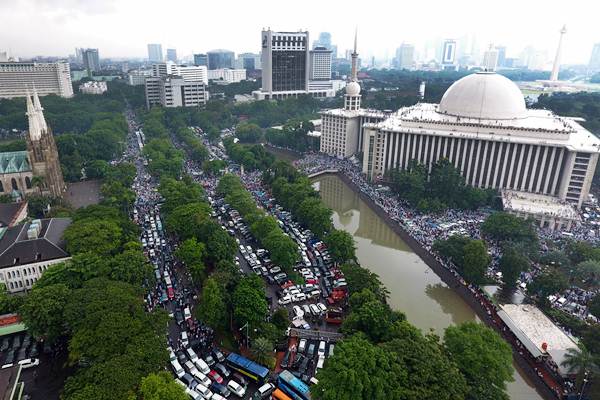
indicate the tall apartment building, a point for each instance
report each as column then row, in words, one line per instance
column 594, row 64
column 248, row 61
column 91, row 60
column 405, row 56
column 449, row 55
column 155, row 53
column 219, row 59
column 172, row 55
column 490, row 59
column 190, row 73
column 286, row 66
column 320, row 64
column 201, row 59
column 174, row 91
column 48, row 78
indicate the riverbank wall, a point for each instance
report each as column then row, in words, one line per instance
column 449, row 279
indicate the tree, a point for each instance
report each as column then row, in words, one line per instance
column 588, row 272
column 248, row 133
column 359, row 278
column 102, row 237
column 43, row 311
column 340, row 245
column 503, row 226
column 512, row 264
column 177, row 193
column 161, row 386
column 190, row 251
column 409, row 184
column 579, row 361
column 282, row 248
column 453, row 248
column 476, row 261
column 219, row 245
column 130, row 266
column 38, row 182
column 213, row 167
column 262, row 351
column 594, row 306
column 8, row 304
column 483, row 357
column 213, row 308
column 249, row 302
column 185, row 219
column 549, row 282
column 373, row 318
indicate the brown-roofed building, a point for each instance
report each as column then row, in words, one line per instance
column 12, row 214
column 27, row 250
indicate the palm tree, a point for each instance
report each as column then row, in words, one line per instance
column 262, row 350
column 38, row 181
column 580, row 361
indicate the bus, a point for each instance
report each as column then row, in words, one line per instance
column 252, row 370
column 293, row 386
column 279, row 395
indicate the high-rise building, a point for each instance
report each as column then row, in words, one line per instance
column 405, row 56
column 220, row 59
column 91, row 61
column 201, row 59
column 190, row 73
column 248, row 61
column 490, row 59
column 172, row 55
column 47, row 78
column 501, row 56
column 320, row 64
column 594, row 64
column 286, row 66
column 155, row 53
column 79, row 54
column 449, row 54
column 174, row 91
column 325, row 41
column 138, row 77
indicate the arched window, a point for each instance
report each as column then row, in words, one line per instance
column 1, row 187
column 28, row 182
column 13, row 182
column 12, row 285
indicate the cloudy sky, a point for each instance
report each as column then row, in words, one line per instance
column 122, row 28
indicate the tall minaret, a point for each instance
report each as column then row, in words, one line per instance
column 556, row 66
column 352, row 97
column 354, row 77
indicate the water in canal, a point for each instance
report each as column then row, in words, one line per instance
column 414, row 288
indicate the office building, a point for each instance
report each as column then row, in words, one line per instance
column 405, row 56
column 594, row 64
column 220, row 59
column 93, row 87
column 190, row 73
column 341, row 128
column 227, row 75
column 248, row 61
column 155, row 53
column 490, row 59
column 48, row 78
column 174, row 91
column 138, row 77
column 324, row 40
column 91, row 61
column 501, row 57
column 484, row 129
column 201, row 59
column 286, row 66
column 320, row 64
column 449, row 55
column 172, row 55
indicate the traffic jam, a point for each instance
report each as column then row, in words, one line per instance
column 315, row 308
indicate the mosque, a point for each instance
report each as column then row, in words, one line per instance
column 37, row 169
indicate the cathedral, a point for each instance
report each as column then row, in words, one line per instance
column 36, row 170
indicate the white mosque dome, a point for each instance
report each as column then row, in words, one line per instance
column 353, row 89
column 484, row 95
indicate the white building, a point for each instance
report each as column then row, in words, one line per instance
column 286, row 66
column 320, row 64
column 155, row 53
column 490, row 59
column 28, row 250
column 138, row 77
column 227, row 75
column 405, row 56
column 190, row 73
column 175, row 91
column 48, row 78
column 484, row 129
column 93, row 87
column 449, row 55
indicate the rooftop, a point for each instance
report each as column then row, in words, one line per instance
column 538, row 204
column 533, row 325
column 13, row 162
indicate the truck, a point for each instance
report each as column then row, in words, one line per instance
column 334, row 316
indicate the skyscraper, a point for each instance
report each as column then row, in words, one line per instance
column 501, row 56
column 449, row 54
column 91, row 60
column 155, row 53
column 248, row 61
column 48, row 78
column 594, row 64
column 490, row 59
column 320, row 64
column 201, row 59
column 172, row 55
column 219, row 59
column 405, row 56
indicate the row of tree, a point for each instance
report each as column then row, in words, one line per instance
column 443, row 187
column 250, row 157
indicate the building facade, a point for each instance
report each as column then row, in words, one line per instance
column 91, row 60
column 449, row 55
column 138, row 77
column 227, row 75
column 220, row 59
column 201, row 59
column 48, row 78
column 320, row 64
column 155, row 53
column 248, row 61
column 286, row 66
column 172, row 55
column 484, row 129
column 405, row 56
column 594, row 64
column 175, row 91
column 93, row 87
column 190, row 73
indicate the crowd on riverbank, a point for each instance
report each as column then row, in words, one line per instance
column 425, row 229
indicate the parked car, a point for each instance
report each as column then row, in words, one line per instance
column 236, row 388
column 239, row 378
column 218, row 355
column 223, row 371
column 220, row 388
column 311, row 350
column 214, row 375
column 210, row 360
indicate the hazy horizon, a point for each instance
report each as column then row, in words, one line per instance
column 121, row 29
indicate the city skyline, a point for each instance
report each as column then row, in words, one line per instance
column 121, row 29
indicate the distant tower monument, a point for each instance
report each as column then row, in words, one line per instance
column 556, row 66
column 42, row 151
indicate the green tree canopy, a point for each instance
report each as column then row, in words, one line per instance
column 161, row 386
column 340, row 245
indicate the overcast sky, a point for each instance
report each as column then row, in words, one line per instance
column 122, row 28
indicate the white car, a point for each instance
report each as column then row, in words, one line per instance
column 298, row 297
column 184, row 339
column 191, row 368
column 287, row 299
column 203, row 379
column 298, row 313
column 322, row 307
column 236, row 388
column 29, row 363
column 314, row 309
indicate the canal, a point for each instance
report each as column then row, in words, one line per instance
column 414, row 288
